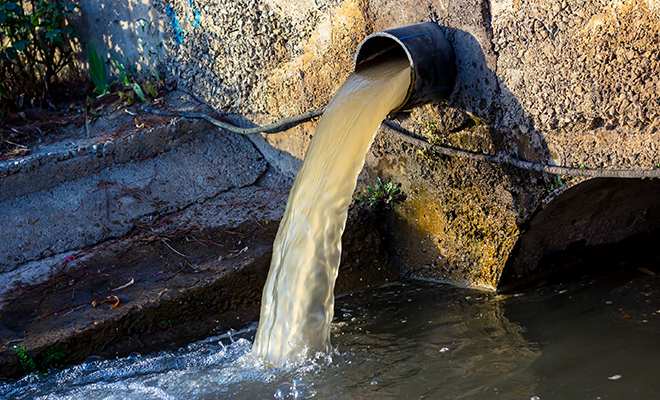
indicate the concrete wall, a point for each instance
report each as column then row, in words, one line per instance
column 132, row 31
column 595, row 212
column 568, row 82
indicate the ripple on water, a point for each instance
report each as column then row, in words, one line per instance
column 542, row 343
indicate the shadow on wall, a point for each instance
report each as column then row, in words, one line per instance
column 461, row 220
column 481, row 92
column 590, row 213
column 128, row 30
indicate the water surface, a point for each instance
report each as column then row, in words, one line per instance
column 595, row 338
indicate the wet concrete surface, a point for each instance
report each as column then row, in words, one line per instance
column 151, row 288
column 171, row 283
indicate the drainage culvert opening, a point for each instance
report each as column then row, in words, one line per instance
column 597, row 225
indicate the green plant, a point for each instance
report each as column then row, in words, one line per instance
column 136, row 84
column 123, row 74
column 431, row 127
column 35, row 45
column 43, row 362
column 25, row 358
column 559, row 184
column 153, row 91
column 93, row 112
column 129, row 83
column 383, row 194
column 98, row 71
column 138, row 90
column 52, row 357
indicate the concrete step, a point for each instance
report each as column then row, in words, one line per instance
column 71, row 195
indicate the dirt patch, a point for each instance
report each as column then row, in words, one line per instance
column 29, row 129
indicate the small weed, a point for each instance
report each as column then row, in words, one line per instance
column 125, row 98
column 98, row 71
column 428, row 155
column 136, row 81
column 43, row 362
column 123, row 74
column 166, row 323
column 153, row 91
column 138, row 90
column 132, row 89
column 383, row 194
column 424, row 154
column 51, row 358
column 25, row 358
column 431, row 128
column 559, row 184
column 150, row 49
column 432, row 132
column 94, row 114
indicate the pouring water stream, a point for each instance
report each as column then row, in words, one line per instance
column 298, row 300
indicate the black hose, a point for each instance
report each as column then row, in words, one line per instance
column 411, row 138
column 502, row 158
column 280, row 126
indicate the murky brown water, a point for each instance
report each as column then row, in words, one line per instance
column 597, row 337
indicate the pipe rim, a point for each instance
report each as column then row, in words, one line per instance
column 413, row 77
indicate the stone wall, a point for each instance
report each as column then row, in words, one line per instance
column 583, row 76
column 569, row 83
column 131, row 31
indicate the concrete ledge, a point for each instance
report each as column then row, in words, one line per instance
column 172, row 298
column 69, row 196
column 55, row 163
column 174, row 284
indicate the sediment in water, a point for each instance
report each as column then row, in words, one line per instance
column 298, row 300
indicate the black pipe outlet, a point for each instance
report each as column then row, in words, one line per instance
column 432, row 60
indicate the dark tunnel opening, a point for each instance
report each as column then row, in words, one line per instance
column 597, row 226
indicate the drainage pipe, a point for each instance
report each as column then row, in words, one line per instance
column 433, row 73
column 431, row 56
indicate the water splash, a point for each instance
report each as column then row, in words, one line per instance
column 202, row 369
column 217, row 367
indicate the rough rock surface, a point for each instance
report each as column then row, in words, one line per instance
column 80, row 194
column 569, row 83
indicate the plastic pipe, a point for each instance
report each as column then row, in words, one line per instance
column 431, row 56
